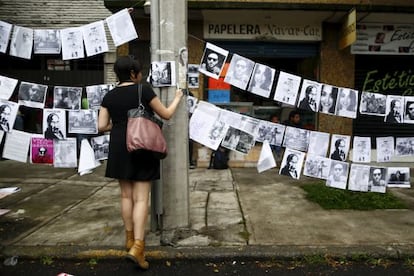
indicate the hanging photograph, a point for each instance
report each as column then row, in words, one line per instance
column 377, row 179
column 5, row 31
column 261, row 81
column 271, row 132
column 317, row 166
column 404, row 146
column 191, row 104
column 47, row 42
column 41, row 151
column 338, row 175
column 347, row 103
column 8, row 113
column 292, row 163
column 65, row 153
column 239, row 72
column 318, row 143
column 398, row 177
column 310, row 95
column 94, row 38
column 361, row 149
column 32, row 94
column 100, row 146
column 339, row 147
column 121, row 27
column 296, row 138
column 84, row 121
column 21, row 42
column 72, row 43
column 394, row 109
column 287, row 88
column 372, row 104
column 67, row 97
column 96, row 93
column 54, row 124
column 385, row 148
column 358, row 178
column 409, row 110
column 7, row 86
column 328, row 98
column 238, row 140
column 17, row 145
column 213, row 60
column 193, row 76
column 162, row 73
column 204, row 126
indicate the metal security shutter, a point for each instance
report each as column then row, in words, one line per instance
column 375, row 126
column 270, row 49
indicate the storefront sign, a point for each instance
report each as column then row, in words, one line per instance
column 307, row 32
column 219, row 96
column 348, row 31
column 384, row 39
column 397, row 82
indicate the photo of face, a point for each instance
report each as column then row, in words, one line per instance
column 328, row 99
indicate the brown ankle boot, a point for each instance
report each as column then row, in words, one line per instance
column 129, row 239
column 136, row 254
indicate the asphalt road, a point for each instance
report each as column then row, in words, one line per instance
column 47, row 266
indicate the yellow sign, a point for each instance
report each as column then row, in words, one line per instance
column 348, row 30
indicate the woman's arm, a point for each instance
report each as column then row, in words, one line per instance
column 104, row 120
column 166, row 112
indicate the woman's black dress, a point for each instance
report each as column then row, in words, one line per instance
column 140, row 165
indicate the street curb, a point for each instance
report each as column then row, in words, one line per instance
column 281, row 252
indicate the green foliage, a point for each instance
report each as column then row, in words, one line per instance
column 46, row 260
column 331, row 198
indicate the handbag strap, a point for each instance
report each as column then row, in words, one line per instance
column 141, row 107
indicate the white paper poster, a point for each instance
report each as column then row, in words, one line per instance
column 121, row 27
column 17, row 146
column 95, row 38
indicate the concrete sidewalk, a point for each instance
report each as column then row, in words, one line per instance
column 235, row 213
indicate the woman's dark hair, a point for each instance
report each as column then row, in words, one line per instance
column 123, row 67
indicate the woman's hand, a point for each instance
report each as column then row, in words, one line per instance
column 179, row 93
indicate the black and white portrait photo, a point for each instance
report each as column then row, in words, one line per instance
column 67, row 97
column 32, row 94
column 100, row 146
column 327, row 102
column 409, row 110
column 5, row 31
column 296, row 138
column 239, row 71
column 261, row 81
column 96, row 93
column 398, row 177
column 54, row 124
column 339, row 147
column 287, row 88
column 213, row 60
column 94, row 38
column 292, row 163
column 338, row 175
column 162, row 73
column 191, row 104
column 394, row 110
column 317, row 166
column 47, row 41
column 373, row 103
column 84, row 121
column 7, row 86
column 8, row 112
column 377, row 179
column 347, row 103
column 318, row 143
column 65, row 153
column 404, row 146
column 361, row 149
column 385, row 148
column 21, row 44
column 310, row 95
column 358, row 178
column 72, row 43
column 121, row 27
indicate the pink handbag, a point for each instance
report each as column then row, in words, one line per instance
column 144, row 131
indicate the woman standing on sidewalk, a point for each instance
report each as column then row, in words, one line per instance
column 135, row 170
